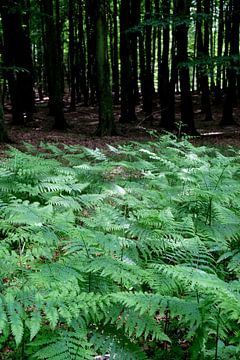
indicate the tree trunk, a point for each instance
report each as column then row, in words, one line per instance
column 166, row 120
column 218, row 90
column 54, row 67
column 17, row 54
column 72, row 68
column 81, row 66
column 91, row 46
column 187, row 116
column 135, row 20
column 148, row 73
column 230, row 98
column 127, row 95
column 227, row 39
column 159, row 45
column 104, row 88
column 115, row 70
column 203, row 54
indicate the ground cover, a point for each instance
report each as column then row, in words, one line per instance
column 132, row 250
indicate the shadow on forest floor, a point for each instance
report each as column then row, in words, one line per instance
column 83, row 123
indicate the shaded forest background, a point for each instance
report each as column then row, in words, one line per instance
column 118, row 67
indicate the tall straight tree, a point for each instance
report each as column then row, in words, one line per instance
column 182, row 9
column 104, row 87
column 53, row 66
column 159, row 45
column 72, row 67
column 203, row 54
column 90, row 6
column 230, row 98
column 148, row 80
column 127, row 94
column 218, row 90
column 167, row 121
column 115, row 67
column 81, row 66
column 135, row 12
column 17, row 55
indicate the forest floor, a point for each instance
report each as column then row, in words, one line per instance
column 83, row 123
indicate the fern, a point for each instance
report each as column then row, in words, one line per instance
column 132, row 251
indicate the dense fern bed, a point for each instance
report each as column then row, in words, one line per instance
column 132, row 252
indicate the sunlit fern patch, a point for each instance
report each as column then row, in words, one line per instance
column 132, row 251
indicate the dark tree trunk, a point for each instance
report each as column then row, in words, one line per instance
column 148, row 82
column 54, row 67
column 218, row 90
column 203, row 54
column 187, row 116
column 194, row 56
column 230, row 98
column 135, row 20
column 174, row 78
column 167, row 121
column 127, row 95
column 104, row 88
column 91, row 46
column 60, row 18
column 17, row 54
column 81, row 66
column 72, row 67
column 115, row 69
column 159, row 45
column 227, row 38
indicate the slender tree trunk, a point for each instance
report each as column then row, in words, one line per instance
column 72, row 68
column 194, row 56
column 91, row 46
column 127, row 95
column 187, row 116
column 115, row 71
column 148, row 73
column 17, row 53
column 218, row 90
column 230, row 98
column 106, row 119
column 59, row 29
column 159, row 45
column 81, row 66
column 227, row 39
column 54, row 67
column 166, row 121
column 203, row 54
column 135, row 20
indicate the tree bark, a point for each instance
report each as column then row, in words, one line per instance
column 218, row 89
column 187, row 116
column 203, row 55
column 127, row 95
column 72, row 68
column 230, row 98
column 18, row 58
column 104, row 88
column 54, row 67
column 167, row 122
column 115, row 70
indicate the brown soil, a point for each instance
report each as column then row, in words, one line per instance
column 83, row 123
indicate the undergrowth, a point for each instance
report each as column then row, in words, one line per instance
column 133, row 251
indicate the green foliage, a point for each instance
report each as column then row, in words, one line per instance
column 132, row 251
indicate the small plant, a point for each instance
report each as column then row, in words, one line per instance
column 133, row 251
